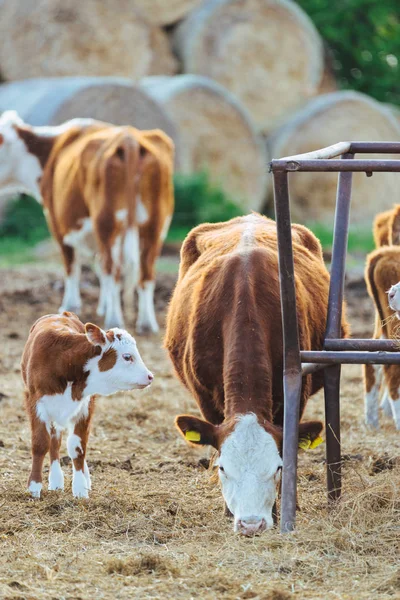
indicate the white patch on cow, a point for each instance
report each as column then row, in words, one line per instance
column 87, row 476
column 385, row 403
column 247, row 237
column 395, row 406
column 72, row 296
column 80, row 487
column 371, row 400
column 35, row 488
column 250, row 461
column 394, row 298
column 76, row 237
column 131, row 253
column 60, row 410
column 121, row 214
column 56, row 476
column 142, row 216
column 128, row 373
column 165, row 229
column 74, row 446
column 20, row 170
column 146, row 314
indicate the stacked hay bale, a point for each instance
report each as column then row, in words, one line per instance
column 266, row 52
column 217, row 135
column 165, row 12
column 328, row 119
column 52, row 38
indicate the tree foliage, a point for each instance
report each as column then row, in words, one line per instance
column 363, row 37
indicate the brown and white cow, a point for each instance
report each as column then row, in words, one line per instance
column 382, row 276
column 64, row 365
column 104, row 188
column 224, row 336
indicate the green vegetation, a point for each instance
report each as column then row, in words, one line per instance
column 364, row 39
column 360, row 238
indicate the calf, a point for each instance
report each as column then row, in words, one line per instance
column 64, row 365
column 104, row 188
column 224, row 337
column 381, row 276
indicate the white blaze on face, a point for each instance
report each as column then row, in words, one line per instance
column 129, row 371
column 249, row 469
column 394, row 298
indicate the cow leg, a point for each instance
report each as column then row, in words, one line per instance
column 131, row 269
column 72, row 297
column 111, row 284
column 40, row 447
column 385, row 403
column 56, row 476
column 392, row 375
column 77, row 444
column 150, row 249
column 372, row 384
column 102, row 304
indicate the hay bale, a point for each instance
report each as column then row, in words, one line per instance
column 216, row 135
column 326, row 120
column 267, row 52
column 52, row 38
column 162, row 12
column 110, row 99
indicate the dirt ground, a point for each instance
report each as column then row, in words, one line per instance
column 154, row 524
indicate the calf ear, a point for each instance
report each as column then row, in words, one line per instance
column 95, row 335
column 309, row 434
column 196, row 431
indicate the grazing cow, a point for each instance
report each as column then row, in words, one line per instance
column 382, row 276
column 64, row 365
column 103, row 188
column 224, row 337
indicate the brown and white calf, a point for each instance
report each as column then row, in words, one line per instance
column 64, row 365
column 104, row 189
column 382, row 276
column 224, row 337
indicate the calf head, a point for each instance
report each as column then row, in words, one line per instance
column 118, row 366
column 394, row 299
column 249, row 463
column 20, row 170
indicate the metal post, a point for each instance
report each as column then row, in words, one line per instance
column 292, row 377
column 333, row 330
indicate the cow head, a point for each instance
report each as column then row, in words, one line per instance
column 249, row 464
column 20, row 170
column 118, row 366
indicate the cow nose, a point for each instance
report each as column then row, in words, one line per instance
column 251, row 526
column 150, row 376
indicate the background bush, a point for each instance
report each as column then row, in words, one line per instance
column 363, row 37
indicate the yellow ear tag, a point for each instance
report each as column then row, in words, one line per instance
column 316, row 442
column 304, row 443
column 192, row 436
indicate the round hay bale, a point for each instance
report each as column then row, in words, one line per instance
column 326, row 120
column 216, row 135
column 111, row 99
column 267, row 52
column 52, row 38
column 162, row 12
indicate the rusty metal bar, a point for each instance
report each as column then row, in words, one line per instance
column 308, row 368
column 372, row 147
column 327, row 357
column 323, row 153
column 333, row 330
column 333, row 165
column 292, row 377
column 356, row 344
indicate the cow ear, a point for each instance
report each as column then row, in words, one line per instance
column 394, row 231
column 309, row 434
column 95, row 335
column 196, row 431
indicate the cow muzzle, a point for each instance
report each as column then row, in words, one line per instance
column 250, row 526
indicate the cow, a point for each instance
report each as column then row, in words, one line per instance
column 65, row 364
column 224, row 337
column 103, row 188
column 382, row 276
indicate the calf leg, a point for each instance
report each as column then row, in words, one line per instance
column 131, row 269
column 72, row 297
column 40, row 447
column 77, row 444
column 110, row 280
column 392, row 375
column 56, row 476
column 150, row 249
column 385, row 403
column 372, row 384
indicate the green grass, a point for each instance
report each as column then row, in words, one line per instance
column 360, row 237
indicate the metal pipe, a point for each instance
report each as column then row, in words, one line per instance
column 350, row 358
column 323, row 153
column 366, row 165
column 372, row 147
column 356, row 344
column 292, row 378
column 308, row 368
